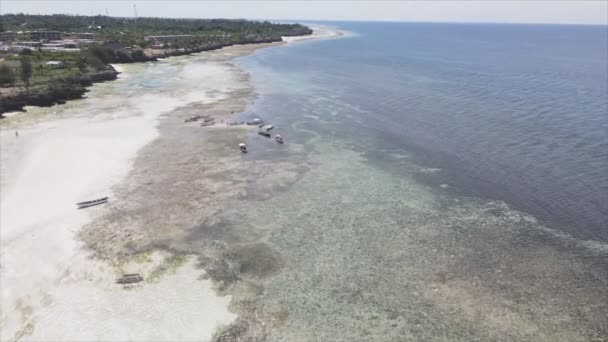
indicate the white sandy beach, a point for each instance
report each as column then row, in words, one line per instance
column 51, row 288
column 45, row 271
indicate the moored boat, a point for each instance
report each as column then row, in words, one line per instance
column 255, row 121
column 194, row 118
column 243, row 147
column 279, row 139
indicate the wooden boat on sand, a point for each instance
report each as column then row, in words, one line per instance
column 193, row 118
column 86, row 204
column 130, row 279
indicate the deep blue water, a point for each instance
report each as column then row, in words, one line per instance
column 517, row 113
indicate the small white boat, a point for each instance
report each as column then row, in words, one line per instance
column 279, row 139
column 243, row 147
column 256, row 122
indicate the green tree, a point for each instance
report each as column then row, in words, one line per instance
column 138, row 55
column 26, row 71
column 41, row 69
column 100, row 53
column 81, row 64
column 122, row 57
column 95, row 62
column 64, row 88
column 7, row 77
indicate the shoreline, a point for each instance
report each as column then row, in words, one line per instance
column 61, row 271
column 18, row 103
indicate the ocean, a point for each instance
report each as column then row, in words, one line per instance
column 517, row 113
column 452, row 183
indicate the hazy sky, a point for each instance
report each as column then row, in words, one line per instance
column 521, row 11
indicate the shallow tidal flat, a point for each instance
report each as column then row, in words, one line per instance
column 365, row 255
column 312, row 241
column 66, row 154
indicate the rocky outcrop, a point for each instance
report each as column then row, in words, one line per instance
column 57, row 91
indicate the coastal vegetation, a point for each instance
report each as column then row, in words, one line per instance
column 131, row 31
column 26, row 70
column 26, row 79
column 7, row 77
column 35, row 76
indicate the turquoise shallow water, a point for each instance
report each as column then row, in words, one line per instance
column 362, row 254
column 447, row 191
column 506, row 112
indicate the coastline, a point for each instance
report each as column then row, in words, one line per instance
column 17, row 103
column 319, row 32
column 118, row 155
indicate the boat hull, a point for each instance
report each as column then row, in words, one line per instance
column 86, row 204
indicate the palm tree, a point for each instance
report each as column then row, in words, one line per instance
column 26, row 71
column 6, row 75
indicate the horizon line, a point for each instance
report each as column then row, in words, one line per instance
column 328, row 20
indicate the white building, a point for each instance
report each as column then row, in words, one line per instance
column 56, row 64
